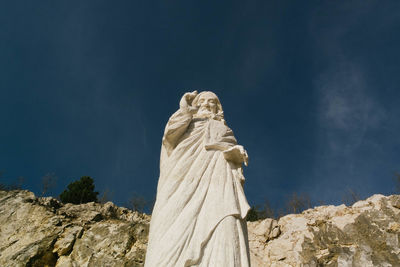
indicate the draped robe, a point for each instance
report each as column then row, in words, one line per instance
column 198, row 217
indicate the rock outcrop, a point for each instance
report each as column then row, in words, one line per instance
column 43, row 232
column 365, row 234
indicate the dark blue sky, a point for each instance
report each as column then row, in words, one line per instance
column 310, row 89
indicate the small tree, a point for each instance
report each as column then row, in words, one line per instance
column 350, row 197
column 81, row 191
column 137, row 203
column 106, row 196
column 296, row 203
column 268, row 211
column 49, row 181
column 254, row 214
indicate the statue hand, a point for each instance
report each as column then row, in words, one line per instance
column 245, row 156
column 237, row 154
column 187, row 99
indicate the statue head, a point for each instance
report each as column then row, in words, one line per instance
column 208, row 105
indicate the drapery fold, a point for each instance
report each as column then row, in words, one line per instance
column 200, row 197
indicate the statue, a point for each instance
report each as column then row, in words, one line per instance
column 199, row 215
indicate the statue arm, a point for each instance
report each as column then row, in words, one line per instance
column 223, row 144
column 221, row 138
column 175, row 128
column 178, row 122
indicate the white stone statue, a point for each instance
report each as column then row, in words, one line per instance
column 198, row 217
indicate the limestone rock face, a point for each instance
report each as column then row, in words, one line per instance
column 43, row 232
column 365, row 234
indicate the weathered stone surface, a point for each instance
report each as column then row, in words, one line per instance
column 365, row 234
column 28, row 230
column 66, row 240
column 43, row 232
column 107, row 244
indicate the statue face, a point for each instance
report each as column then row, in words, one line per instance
column 207, row 104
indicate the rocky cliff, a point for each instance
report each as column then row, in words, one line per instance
column 43, row 232
column 365, row 234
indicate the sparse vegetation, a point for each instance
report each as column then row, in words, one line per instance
column 81, row 191
column 253, row 214
column 49, row 181
column 137, row 203
column 297, row 203
column 350, row 197
column 106, row 196
column 16, row 185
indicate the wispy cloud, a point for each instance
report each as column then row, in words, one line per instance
column 346, row 108
column 357, row 125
